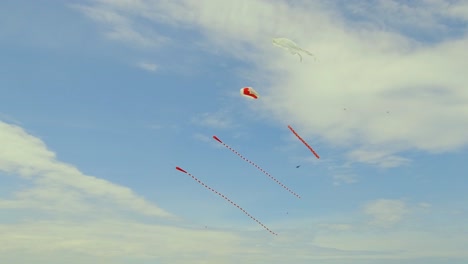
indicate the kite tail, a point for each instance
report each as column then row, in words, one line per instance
column 227, row 199
column 256, row 166
column 308, row 52
column 303, row 141
column 300, row 57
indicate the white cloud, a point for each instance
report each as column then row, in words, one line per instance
column 340, row 173
column 402, row 246
column 9, row 118
column 57, row 185
column 203, row 138
column 417, row 18
column 219, row 120
column 338, row 179
column 378, row 157
column 113, row 240
column 386, row 213
column 337, row 227
column 460, row 10
column 425, row 205
column 151, row 67
column 207, row 139
column 122, row 28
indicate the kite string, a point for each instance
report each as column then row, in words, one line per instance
column 256, row 166
column 227, row 199
column 303, row 141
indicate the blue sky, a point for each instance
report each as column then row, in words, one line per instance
column 101, row 100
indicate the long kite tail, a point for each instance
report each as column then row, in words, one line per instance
column 256, row 166
column 303, row 141
column 309, row 53
column 300, row 56
column 227, row 199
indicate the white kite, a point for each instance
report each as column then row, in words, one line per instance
column 290, row 46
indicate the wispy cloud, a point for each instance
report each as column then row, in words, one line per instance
column 425, row 205
column 9, row 119
column 381, row 158
column 386, row 213
column 122, row 26
column 337, row 227
column 418, row 19
column 147, row 66
column 218, row 120
column 459, row 10
column 208, row 139
column 57, row 240
column 339, row 179
column 341, row 173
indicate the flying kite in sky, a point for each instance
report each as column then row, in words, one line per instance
column 256, row 166
column 249, row 92
column 303, row 141
column 225, row 198
column 290, row 46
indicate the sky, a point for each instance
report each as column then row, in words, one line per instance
column 102, row 99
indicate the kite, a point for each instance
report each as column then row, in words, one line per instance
column 256, row 166
column 249, row 92
column 305, row 143
column 225, row 198
column 290, row 46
